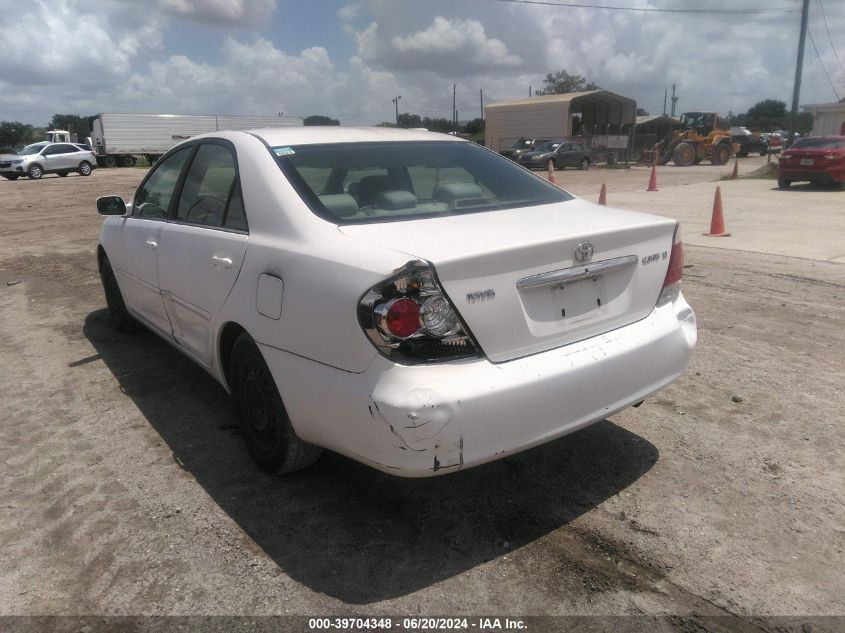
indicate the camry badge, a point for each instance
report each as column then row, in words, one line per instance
column 584, row 252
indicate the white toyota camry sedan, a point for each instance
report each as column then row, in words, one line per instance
column 408, row 299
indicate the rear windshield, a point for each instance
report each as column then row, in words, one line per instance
column 821, row 143
column 377, row 182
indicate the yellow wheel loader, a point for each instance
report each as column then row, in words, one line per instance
column 699, row 138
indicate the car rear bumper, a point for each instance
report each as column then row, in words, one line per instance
column 813, row 175
column 423, row 420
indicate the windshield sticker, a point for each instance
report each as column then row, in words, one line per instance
column 283, row 151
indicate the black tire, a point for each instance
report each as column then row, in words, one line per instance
column 720, row 154
column 585, row 163
column 118, row 314
column 783, row 183
column 10, row 176
column 270, row 439
column 127, row 161
column 85, row 168
column 61, row 174
column 35, row 172
column 109, row 161
column 684, row 154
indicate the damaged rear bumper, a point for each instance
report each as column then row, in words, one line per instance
column 424, row 420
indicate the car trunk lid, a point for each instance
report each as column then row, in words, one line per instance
column 516, row 280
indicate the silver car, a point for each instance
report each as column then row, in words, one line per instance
column 48, row 158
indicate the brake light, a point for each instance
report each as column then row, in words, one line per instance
column 409, row 318
column 675, row 272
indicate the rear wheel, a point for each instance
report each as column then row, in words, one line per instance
column 684, row 154
column 127, row 161
column 118, row 314
column 265, row 426
column 84, row 168
column 721, row 154
column 109, row 161
column 783, row 183
column 585, row 164
column 35, row 172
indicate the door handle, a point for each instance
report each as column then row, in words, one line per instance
column 216, row 260
column 152, row 244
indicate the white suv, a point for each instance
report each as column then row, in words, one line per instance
column 45, row 158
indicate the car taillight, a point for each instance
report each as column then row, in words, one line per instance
column 409, row 318
column 672, row 282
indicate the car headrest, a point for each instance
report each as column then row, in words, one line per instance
column 456, row 190
column 341, row 205
column 395, row 199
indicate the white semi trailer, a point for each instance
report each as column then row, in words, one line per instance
column 118, row 139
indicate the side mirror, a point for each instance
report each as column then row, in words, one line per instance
column 111, row 205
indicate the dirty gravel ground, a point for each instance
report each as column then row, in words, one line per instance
column 125, row 489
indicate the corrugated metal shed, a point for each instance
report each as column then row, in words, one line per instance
column 828, row 118
column 550, row 116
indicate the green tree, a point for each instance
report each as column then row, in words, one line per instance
column 766, row 115
column 562, row 82
column 73, row 123
column 15, row 133
column 475, row 127
column 319, row 119
column 407, row 120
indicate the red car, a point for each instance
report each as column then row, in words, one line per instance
column 819, row 159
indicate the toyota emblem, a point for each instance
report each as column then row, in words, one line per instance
column 584, row 252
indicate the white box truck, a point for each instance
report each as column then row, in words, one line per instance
column 118, row 139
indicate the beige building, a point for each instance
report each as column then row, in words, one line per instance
column 828, row 118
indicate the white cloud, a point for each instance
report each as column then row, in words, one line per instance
column 221, row 13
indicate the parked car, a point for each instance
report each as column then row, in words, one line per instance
column 408, row 299
column 522, row 146
column 562, row 154
column 48, row 158
column 818, row 159
column 748, row 142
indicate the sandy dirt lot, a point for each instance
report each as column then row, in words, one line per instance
column 126, row 490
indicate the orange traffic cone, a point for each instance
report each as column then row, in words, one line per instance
column 717, row 222
column 552, row 173
column 652, row 182
column 735, row 174
column 603, row 194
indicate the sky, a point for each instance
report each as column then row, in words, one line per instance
column 348, row 59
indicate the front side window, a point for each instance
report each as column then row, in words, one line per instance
column 152, row 200
column 372, row 182
column 35, row 148
column 208, row 186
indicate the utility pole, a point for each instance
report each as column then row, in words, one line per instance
column 481, row 96
column 454, row 112
column 529, row 92
column 665, row 96
column 675, row 99
column 396, row 103
column 796, row 90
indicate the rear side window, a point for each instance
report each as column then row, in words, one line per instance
column 211, row 194
column 820, row 143
column 153, row 198
column 376, row 182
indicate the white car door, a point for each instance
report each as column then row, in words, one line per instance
column 202, row 247
column 136, row 265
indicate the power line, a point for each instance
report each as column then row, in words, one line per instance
column 578, row 5
column 821, row 63
column 829, row 38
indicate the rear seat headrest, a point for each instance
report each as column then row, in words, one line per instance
column 457, row 190
column 341, row 205
column 395, row 199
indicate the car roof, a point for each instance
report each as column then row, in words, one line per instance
column 312, row 135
